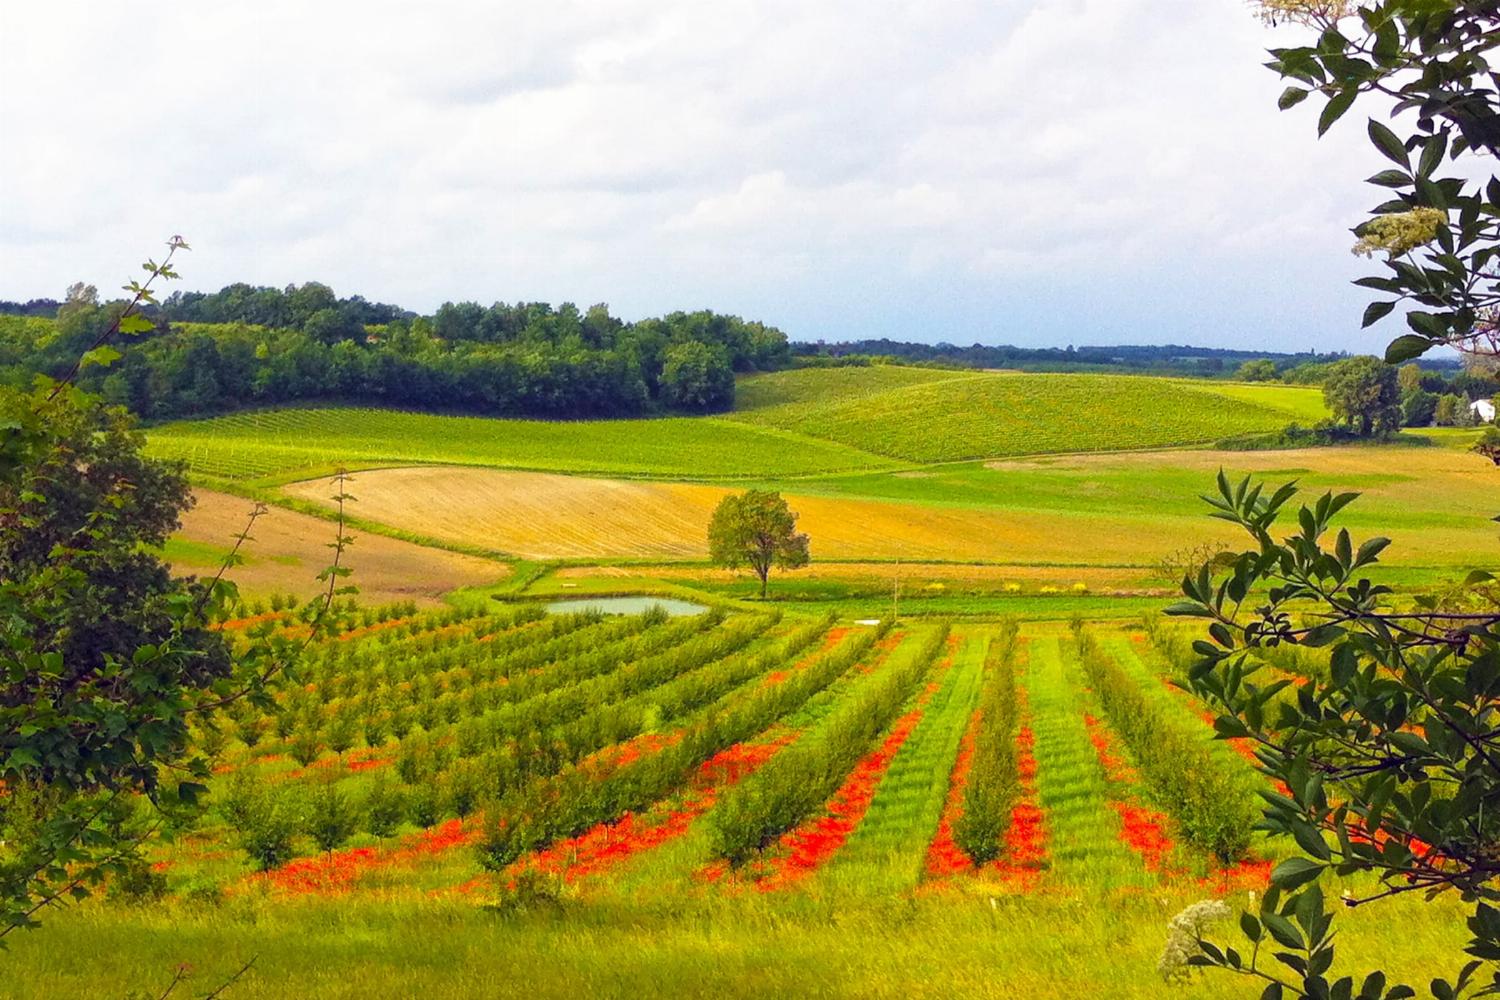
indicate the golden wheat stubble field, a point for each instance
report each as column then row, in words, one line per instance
column 1102, row 510
column 288, row 550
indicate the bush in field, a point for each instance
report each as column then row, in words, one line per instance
column 330, row 818
column 425, row 805
column 307, row 744
column 267, row 832
column 384, row 808
column 994, row 782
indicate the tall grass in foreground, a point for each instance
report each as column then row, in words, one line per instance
column 994, row 783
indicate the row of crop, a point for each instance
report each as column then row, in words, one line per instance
column 485, row 715
column 440, row 780
column 779, row 796
column 524, row 732
column 583, row 796
column 548, row 752
column 478, row 658
column 994, row 782
column 1213, row 803
column 429, row 703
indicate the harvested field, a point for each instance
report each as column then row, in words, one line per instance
column 541, row 516
column 289, row 549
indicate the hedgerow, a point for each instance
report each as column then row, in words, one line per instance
column 1213, row 804
column 994, row 782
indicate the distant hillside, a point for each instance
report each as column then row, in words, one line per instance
column 1174, row 359
column 922, row 415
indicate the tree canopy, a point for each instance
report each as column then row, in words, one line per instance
column 756, row 529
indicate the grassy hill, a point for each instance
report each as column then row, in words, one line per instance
column 793, row 423
column 929, row 416
column 273, row 443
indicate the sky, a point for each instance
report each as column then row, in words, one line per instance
column 1035, row 172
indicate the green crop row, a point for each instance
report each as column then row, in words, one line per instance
column 758, row 811
column 994, row 783
column 1212, row 802
column 583, row 796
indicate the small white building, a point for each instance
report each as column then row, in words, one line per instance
column 1484, row 409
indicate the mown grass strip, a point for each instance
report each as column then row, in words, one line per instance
column 788, row 790
column 1083, row 834
column 887, row 851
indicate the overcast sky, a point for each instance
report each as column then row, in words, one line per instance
column 1006, row 171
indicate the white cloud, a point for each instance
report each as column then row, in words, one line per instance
column 1021, row 170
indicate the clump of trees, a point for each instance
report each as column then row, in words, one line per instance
column 247, row 346
column 757, row 529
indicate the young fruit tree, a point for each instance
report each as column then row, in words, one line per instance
column 756, row 529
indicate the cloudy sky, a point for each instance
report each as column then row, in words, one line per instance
column 1006, row 171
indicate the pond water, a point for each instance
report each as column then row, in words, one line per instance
column 625, row 606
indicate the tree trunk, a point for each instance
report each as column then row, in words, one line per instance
column 764, row 574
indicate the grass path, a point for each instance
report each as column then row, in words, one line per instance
column 1082, row 833
column 887, row 851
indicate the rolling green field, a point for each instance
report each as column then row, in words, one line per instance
column 797, row 423
column 932, row 418
column 272, row 443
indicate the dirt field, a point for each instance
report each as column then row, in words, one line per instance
column 290, row 549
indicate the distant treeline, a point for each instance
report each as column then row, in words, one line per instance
column 247, row 346
column 1176, row 359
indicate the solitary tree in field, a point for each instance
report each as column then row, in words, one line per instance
column 1365, row 394
column 756, row 529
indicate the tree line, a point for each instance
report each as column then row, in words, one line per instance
column 250, row 346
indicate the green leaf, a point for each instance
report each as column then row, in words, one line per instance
column 1291, row 97
column 132, row 323
column 1386, row 141
column 1377, row 311
column 1406, row 347
column 1335, row 108
column 1295, row 872
column 103, row 356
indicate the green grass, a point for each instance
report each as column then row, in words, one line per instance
column 748, row 946
column 888, row 849
column 1083, row 844
column 943, row 417
column 280, row 443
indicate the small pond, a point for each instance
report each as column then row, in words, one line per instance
column 625, row 606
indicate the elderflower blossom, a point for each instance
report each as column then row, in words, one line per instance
column 1314, row 13
column 1400, row 233
column 1183, row 935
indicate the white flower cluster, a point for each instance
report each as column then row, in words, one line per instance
column 1183, row 935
